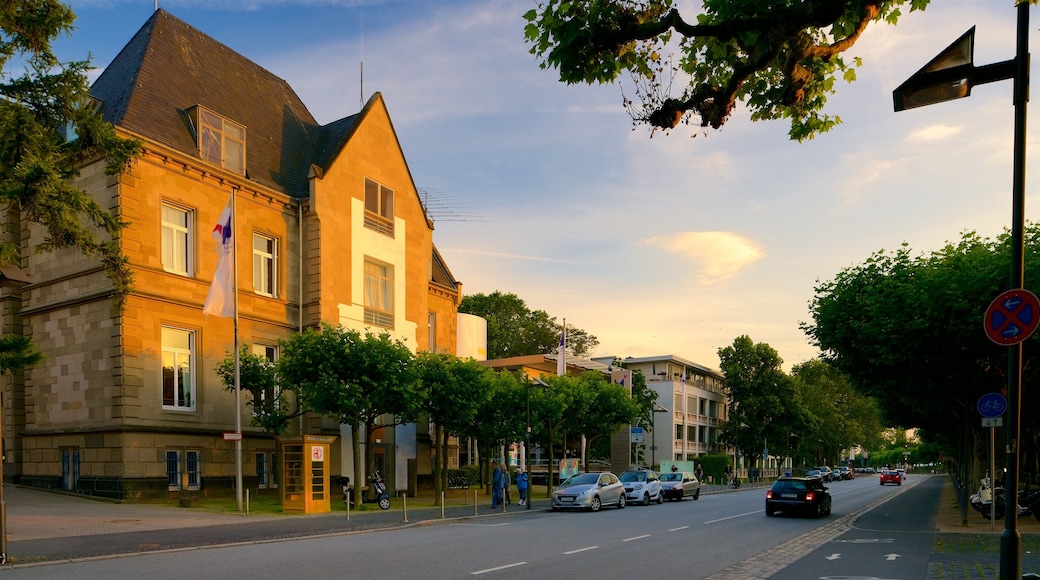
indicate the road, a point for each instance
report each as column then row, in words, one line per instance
column 691, row 539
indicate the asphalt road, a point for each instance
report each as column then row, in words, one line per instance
column 691, row 539
column 891, row 541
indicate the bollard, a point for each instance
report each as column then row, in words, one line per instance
column 442, row 505
column 474, row 502
column 404, row 505
column 247, row 502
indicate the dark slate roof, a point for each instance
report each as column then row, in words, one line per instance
column 441, row 274
column 169, row 67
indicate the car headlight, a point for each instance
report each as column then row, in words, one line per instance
column 637, row 487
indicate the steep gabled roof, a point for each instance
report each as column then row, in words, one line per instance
column 441, row 274
column 169, row 67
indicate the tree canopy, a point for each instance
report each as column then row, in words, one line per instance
column 908, row 331
column 781, row 59
column 516, row 330
column 50, row 127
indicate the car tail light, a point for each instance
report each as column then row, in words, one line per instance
column 769, row 494
column 809, row 496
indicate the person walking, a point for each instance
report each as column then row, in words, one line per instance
column 506, row 483
column 496, row 485
column 699, row 472
column 522, row 485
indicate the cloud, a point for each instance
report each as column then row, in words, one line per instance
column 720, row 255
column 939, row 132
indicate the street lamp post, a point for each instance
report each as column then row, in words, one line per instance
column 10, row 277
column 653, row 433
column 951, row 76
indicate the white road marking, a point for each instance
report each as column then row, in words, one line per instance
column 891, row 557
column 732, row 517
column 677, row 529
column 833, row 556
column 636, row 538
column 580, row 550
column 478, row 572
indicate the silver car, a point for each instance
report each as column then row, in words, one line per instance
column 679, row 484
column 589, row 491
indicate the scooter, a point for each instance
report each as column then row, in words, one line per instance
column 983, row 496
column 381, row 497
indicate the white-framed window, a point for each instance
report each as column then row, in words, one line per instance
column 431, row 322
column 221, row 142
column 379, row 207
column 186, row 474
column 270, row 352
column 178, row 372
column 177, row 239
column 265, row 265
column 379, row 294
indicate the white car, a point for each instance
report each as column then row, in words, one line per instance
column 679, row 484
column 642, row 486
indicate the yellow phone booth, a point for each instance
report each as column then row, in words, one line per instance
column 305, row 473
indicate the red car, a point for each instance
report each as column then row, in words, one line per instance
column 889, row 476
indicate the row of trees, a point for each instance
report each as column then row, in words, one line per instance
column 908, row 330
column 370, row 381
column 809, row 415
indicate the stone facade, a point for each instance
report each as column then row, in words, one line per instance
column 104, row 413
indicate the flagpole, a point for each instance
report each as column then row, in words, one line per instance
column 238, row 378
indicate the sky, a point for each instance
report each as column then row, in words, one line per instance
column 670, row 244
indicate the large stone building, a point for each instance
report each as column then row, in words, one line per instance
column 692, row 401
column 329, row 227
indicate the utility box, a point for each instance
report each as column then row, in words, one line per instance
column 305, row 473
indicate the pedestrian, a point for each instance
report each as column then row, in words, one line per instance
column 699, row 472
column 522, row 484
column 675, row 468
column 506, row 483
column 496, row 485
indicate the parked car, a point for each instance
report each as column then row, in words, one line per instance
column 901, row 472
column 679, row 484
column 889, row 476
column 642, row 485
column 826, row 474
column 846, row 473
column 804, row 495
column 814, row 473
column 589, row 491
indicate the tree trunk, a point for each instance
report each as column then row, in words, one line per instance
column 438, row 454
column 355, row 444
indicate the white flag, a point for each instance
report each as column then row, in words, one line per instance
column 561, row 352
column 221, row 299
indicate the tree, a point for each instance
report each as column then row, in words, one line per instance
column 907, row 331
column 357, row 378
column 759, row 393
column 836, row 416
column 515, row 330
column 456, row 391
column 272, row 409
column 39, row 103
column 598, row 408
column 779, row 58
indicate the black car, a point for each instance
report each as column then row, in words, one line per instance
column 805, row 495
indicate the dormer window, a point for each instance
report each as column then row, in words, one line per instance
column 221, row 141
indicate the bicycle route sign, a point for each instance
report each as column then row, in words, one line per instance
column 992, row 405
column 1012, row 317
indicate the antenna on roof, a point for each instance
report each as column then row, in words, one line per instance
column 156, row 5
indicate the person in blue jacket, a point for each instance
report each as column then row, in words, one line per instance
column 497, row 486
column 522, row 484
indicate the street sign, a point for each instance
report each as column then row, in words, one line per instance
column 993, row 422
column 1012, row 317
column 992, row 405
column 232, row 436
column 637, row 430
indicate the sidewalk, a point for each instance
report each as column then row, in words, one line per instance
column 44, row 526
